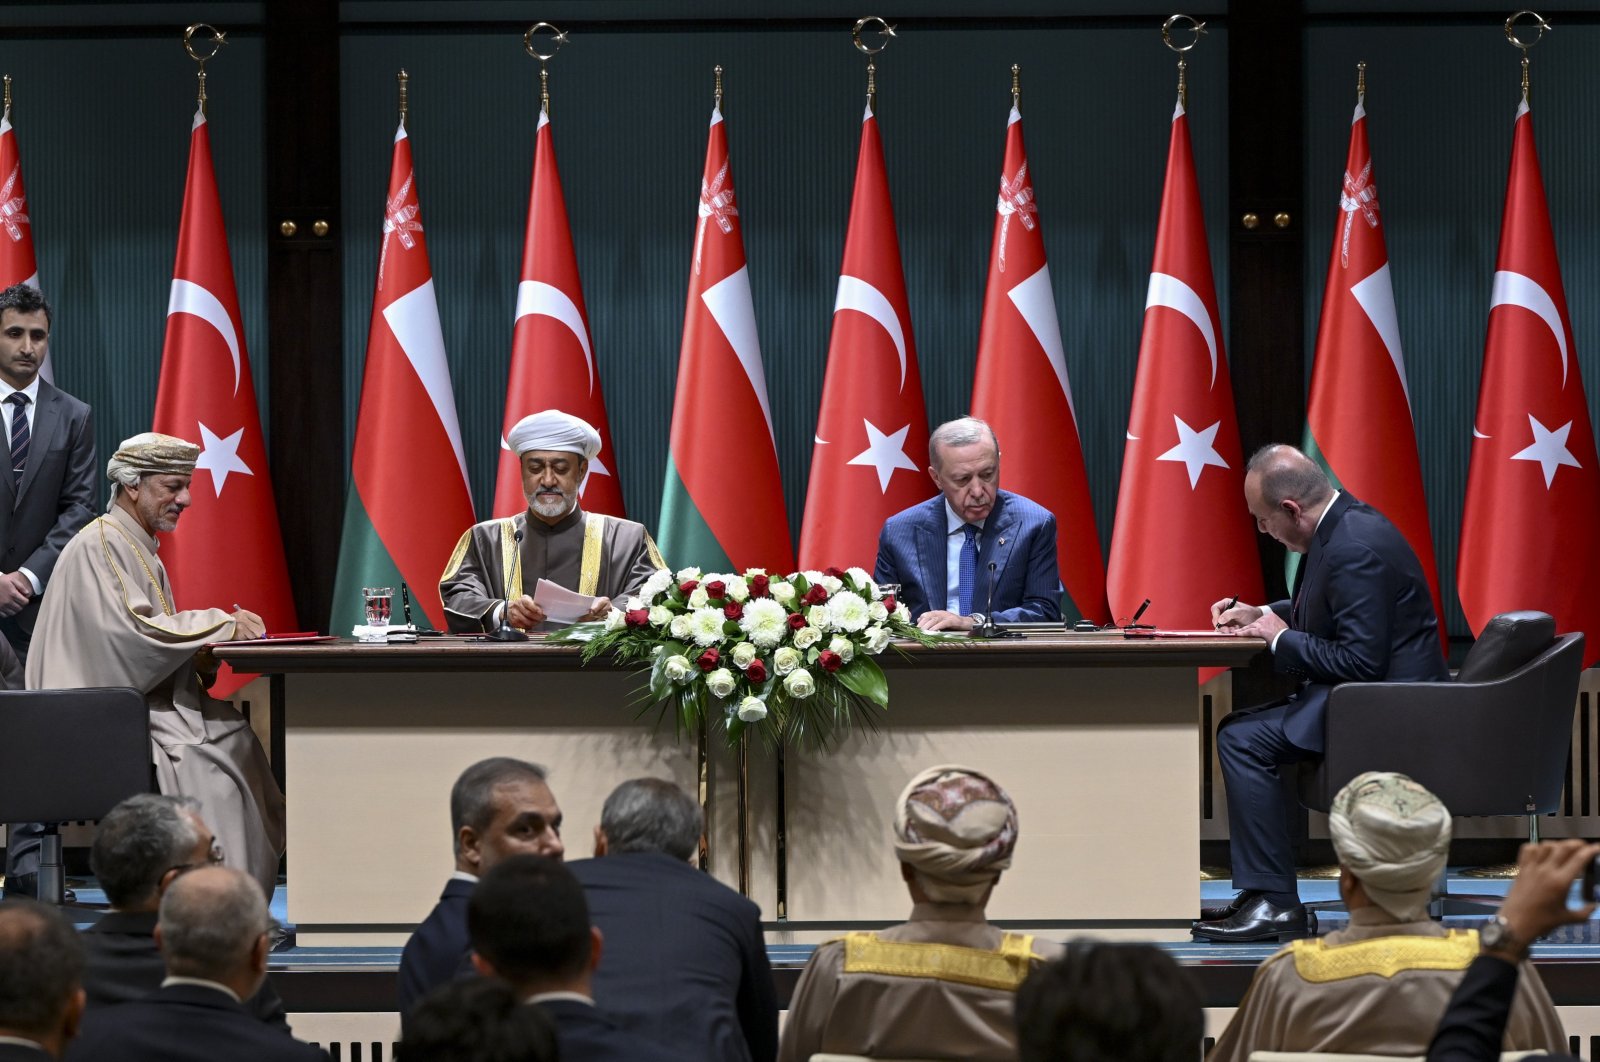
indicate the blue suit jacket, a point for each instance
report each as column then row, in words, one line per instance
column 1019, row 539
column 1361, row 612
column 588, row 1034
column 436, row 951
column 185, row 1023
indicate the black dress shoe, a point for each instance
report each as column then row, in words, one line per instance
column 1258, row 920
column 1217, row 914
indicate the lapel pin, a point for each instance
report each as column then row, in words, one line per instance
column 1002, row 541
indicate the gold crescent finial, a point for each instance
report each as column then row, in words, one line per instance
column 216, row 38
column 882, row 27
column 1198, row 28
column 1516, row 42
column 556, row 40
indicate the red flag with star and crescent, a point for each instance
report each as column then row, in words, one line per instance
column 1183, row 536
column 871, row 448
column 552, row 355
column 227, row 548
column 1533, row 485
column 1021, row 385
column 18, row 264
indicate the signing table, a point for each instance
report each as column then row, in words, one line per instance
column 1095, row 737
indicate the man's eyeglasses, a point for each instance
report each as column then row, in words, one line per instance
column 214, row 858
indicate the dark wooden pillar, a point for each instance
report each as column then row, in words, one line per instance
column 304, row 293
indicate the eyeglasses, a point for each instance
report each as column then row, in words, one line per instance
column 214, row 858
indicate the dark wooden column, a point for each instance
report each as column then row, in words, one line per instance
column 304, row 293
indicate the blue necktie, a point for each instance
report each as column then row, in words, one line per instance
column 967, row 570
column 19, row 436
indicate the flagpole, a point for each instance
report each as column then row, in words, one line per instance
column 717, row 92
column 217, row 38
column 1512, row 39
column 1016, row 87
column 882, row 27
column 1198, row 28
column 8, row 98
column 557, row 39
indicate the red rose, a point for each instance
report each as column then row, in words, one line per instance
column 760, row 586
column 830, row 660
column 816, row 595
column 709, row 660
column 733, row 610
column 837, row 573
column 716, row 588
column 756, row 672
column 687, row 587
column 796, row 621
column 639, row 617
column 888, row 602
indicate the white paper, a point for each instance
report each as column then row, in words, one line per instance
column 560, row 604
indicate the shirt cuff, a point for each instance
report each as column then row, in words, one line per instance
column 495, row 614
column 1274, row 646
column 33, row 581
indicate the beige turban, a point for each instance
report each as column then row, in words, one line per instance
column 154, row 454
column 1394, row 836
column 957, row 829
column 552, row 429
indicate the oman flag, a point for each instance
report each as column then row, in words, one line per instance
column 552, row 357
column 390, row 536
column 718, row 514
column 1533, row 486
column 1359, row 425
column 1183, row 537
column 227, row 548
column 1021, row 384
column 872, row 431
column 18, row 265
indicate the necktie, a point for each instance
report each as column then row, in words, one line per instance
column 19, row 435
column 967, row 570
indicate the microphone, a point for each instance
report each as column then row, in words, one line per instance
column 506, row 632
column 987, row 629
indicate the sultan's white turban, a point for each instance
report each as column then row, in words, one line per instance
column 956, row 828
column 1394, row 836
column 552, row 429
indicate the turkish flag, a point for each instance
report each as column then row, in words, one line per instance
column 1533, row 486
column 552, row 355
column 1359, row 424
column 1183, row 536
column 227, row 549
column 1021, row 386
column 871, row 448
column 18, row 265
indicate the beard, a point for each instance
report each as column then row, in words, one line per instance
column 549, row 509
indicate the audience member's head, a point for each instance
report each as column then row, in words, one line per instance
column 502, row 807
column 954, row 832
column 41, row 975
column 477, row 1019
column 1392, row 837
column 213, row 926
column 1098, row 1002
column 145, row 842
column 529, row 924
column 649, row 815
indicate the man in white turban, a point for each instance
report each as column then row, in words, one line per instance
column 942, row 985
column 109, row 620
column 1380, row 986
column 497, row 564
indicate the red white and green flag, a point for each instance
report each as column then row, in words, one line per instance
column 18, row 264
column 718, row 514
column 407, row 432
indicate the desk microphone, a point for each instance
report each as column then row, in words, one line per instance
column 506, row 632
column 987, row 629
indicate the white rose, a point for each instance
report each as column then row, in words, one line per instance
column 901, row 612
column 685, row 574
column 833, row 583
column 876, row 640
column 705, row 625
column 847, row 612
column 843, row 647
column 698, row 597
column 813, row 577
column 786, row 660
column 660, row 615
column 679, row 669
column 751, row 573
column 876, row 612
column 764, row 622
column 738, row 589
column 752, row 710
column 615, row 620
column 783, row 593
column 720, row 682
column 655, row 585
column 634, row 604
column 681, row 627
column 799, row 684
column 806, row 637
column 818, row 617
column 743, row 653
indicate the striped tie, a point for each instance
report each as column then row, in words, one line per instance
column 19, row 436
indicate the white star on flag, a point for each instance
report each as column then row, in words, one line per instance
column 1196, row 449
column 884, row 453
column 219, row 456
column 1549, row 449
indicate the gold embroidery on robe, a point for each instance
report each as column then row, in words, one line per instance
column 1005, row 968
column 1317, row 962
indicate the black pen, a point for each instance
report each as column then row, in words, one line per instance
column 1135, row 621
column 1225, row 608
column 405, row 602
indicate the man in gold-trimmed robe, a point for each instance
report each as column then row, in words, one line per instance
column 942, row 985
column 1380, row 986
column 109, row 620
column 498, row 563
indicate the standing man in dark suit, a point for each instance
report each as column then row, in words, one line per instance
column 975, row 548
column 686, row 962
column 41, row 969
column 213, row 932
column 46, row 497
column 1361, row 611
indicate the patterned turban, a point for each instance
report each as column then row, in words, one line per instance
column 957, row 829
column 552, row 429
column 1394, row 836
column 153, row 454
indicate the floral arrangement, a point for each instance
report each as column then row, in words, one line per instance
column 787, row 657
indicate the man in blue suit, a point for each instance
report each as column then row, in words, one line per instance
column 975, row 548
column 1361, row 611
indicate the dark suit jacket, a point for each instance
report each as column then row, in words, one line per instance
column 584, row 1033
column 685, row 963
column 124, row 964
column 18, row 1053
column 1019, row 539
column 1474, row 1023
column 434, row 954
column 54, row 501
column 185, row 1023
column 1361, row 612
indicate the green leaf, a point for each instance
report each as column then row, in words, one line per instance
column 864, row 677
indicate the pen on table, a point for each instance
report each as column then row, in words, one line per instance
column 405, row 601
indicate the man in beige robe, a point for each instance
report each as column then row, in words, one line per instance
column 497, row 564
column 109, row 620
column 943, row 984
column 1380, row 986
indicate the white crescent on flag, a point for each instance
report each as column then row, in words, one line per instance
column 1174, row 294
column 537, row 297
column 189, row 297
column 856, row 294
column 1515, row 289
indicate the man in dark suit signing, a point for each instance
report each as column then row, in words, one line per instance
column 686, row 963
column 974, row 550
column 41, row 969
column 1361, row 611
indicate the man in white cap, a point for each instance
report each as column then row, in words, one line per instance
column 942, row 985
column 109, row 621
column 1380, row 986
column 498, row 563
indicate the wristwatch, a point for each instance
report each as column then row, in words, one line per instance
column 1497, row 935
column 978, row 619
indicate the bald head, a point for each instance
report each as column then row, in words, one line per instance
column 1287, row 493
column 41, row 973
column 213, row 925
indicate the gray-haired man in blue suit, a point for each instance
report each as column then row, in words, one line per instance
column 973, row 549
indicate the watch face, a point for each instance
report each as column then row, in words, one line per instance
column 1493, row 934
